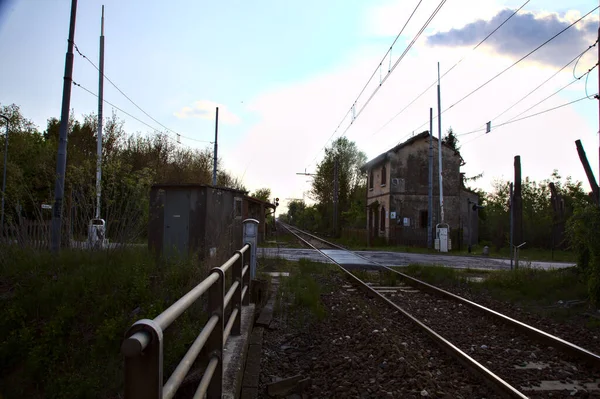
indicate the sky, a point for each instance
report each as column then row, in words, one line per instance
column 284, row 74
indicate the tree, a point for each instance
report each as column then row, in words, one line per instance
column 350, row 181
column 263, row 194
column 130, row 165
column 451, row 140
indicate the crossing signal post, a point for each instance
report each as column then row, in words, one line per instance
column 276, row 203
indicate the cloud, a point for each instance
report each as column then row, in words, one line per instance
column 295, row 120
column 388, row 18
column 524, row 32
column 205, row 109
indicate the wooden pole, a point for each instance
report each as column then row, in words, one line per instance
column 588, row 170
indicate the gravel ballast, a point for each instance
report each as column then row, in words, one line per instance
column 519, row 360
column 361, row 349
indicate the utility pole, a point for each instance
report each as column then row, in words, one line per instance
column 100, row 105
column 598, row 98
column 518, row 204
column 335, row 196
column 440, row 147
column 511, row 205
column 588, row 171
column 61, row 158
column 6, row 120
column 214, row 181
column 430, row 184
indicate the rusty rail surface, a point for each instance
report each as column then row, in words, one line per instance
column 143, row 345
column 492, row 379
column 565, row 346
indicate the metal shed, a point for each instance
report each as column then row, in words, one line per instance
column 188, row 219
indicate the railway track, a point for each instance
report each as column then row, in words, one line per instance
column 515, row 359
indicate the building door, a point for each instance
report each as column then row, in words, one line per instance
column 176, row 223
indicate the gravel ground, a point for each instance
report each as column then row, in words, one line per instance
column 575, row 330
column 362, row 350
column 497, row 346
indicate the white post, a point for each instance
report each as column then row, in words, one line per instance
column 440, row 147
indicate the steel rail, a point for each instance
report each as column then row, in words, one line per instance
column 492, row 379
column 532, row 332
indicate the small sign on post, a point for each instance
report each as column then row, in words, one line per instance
column 46, row 206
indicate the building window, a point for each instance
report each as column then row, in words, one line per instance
column 237, row 208
column 371, row 179
column 383, row 175
column 382, row 223
column 423, row 219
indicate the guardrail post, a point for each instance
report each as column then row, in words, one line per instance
column 251, row 237
column 143, row 368
column 246, row 278
column 214, row 344
column 236, row 301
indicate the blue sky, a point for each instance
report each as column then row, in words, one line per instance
column 285, row 72
column 166, row 57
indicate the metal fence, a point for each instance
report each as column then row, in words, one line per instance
column 31, row 234
column 143, row 345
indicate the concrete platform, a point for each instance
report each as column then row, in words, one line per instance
column 234, row 356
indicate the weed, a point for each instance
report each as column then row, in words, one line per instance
column 63, row 318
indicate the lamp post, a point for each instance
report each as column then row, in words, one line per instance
column 4, row 178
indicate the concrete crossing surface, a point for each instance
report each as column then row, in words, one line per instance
column 389, row 258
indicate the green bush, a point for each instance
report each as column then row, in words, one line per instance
column 63, row 318
column 583, row 229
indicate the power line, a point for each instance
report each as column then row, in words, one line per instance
column 133, row 102
column 512, row 65
column 453, row 66
column 546, row 81
column 127, row 113
column 536, row 114
column 382, row 81
column 536, row 104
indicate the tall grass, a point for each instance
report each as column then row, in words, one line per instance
column 304, row 286
column 63, row 317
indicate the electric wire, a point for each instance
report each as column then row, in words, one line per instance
column 133, row 102
column 512, row 65
column 532, row 115
column 451, row 68
column 536, row 104
column 126, row 113
column 352, row 109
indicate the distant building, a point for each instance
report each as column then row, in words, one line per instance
column 397, row 194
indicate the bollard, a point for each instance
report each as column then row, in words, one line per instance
column 251, row 237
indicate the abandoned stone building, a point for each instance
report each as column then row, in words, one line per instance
column 397, row 194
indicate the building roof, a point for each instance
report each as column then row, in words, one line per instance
column 256, row 200
column 384, row 156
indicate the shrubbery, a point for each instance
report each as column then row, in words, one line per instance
column 63, row 318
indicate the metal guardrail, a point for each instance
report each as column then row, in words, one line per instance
column 143, row 345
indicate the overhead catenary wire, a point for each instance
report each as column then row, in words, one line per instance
column 352, row 109
column 526, row 117
column 134, row 103
column 578, row 57
column 127, row 113
column 451, row 68
column 536, row 114
column 512, row 65
column 536, row 104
